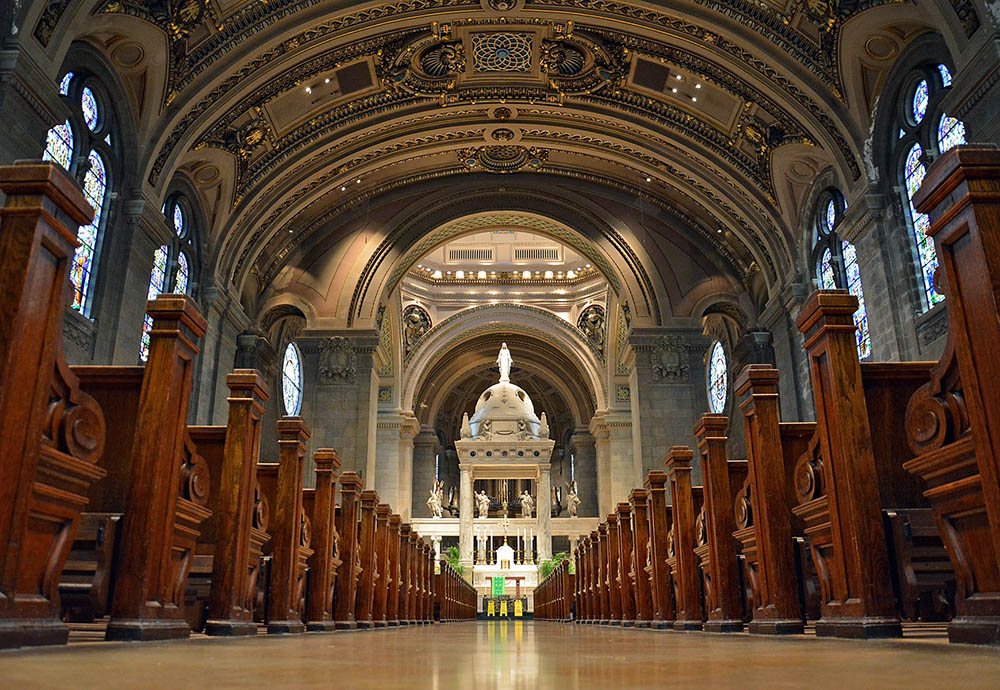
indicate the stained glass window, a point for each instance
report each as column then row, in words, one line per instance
column 913, row 173
column 830, row 216
column 181, row 277
column 91, row 113
column 950, row 133
column 64, row 84
column 945, row 75
column 178, row 220
column 920, row 100
column 291, row 380
column 718, row 379
column 853, row 272
column 157, row 283
column 59, row 145
column 95, row 187
column 826, row 277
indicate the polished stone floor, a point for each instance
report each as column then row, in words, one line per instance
column 488, row 656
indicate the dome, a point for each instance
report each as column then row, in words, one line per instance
column 504, row 402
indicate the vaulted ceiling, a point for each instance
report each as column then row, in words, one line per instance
column 297, row 118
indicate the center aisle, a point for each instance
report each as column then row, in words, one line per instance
column 502, row 655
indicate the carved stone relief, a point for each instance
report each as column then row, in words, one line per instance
column 337, row 361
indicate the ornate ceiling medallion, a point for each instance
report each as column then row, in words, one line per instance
column 503, row 159
column 501, row 52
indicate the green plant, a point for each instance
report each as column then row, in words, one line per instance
column 545, row 568
column 454, row 560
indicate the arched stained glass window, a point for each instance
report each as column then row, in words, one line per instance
column 926, row 132
column 95, row 187
column 157, row 283
column 181, row 278
column 837, row 264
column 91, row 112
column 718, row 379
column 920, row 99
column 59, row 145
column 178, row 220
column 291, row 380
column 82, row 145
column 950, row 133
column 945, row 75
column 826, row 279
column 914, row 172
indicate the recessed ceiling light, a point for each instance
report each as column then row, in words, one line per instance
column 694, row 99
column 343, row 189
column 697, row 86
column 308, row 90
column 649, row 179
column 327, row 80
column 678, row 77
column 674, row 90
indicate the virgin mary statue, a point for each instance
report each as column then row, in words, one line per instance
column 504, row 360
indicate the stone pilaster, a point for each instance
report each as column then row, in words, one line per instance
column 755, row 347
column 616, row 463
column 779, row 318
column 583, row 448
column 393, row 475
column 340, row 396
column 31, row 105
column 425, row 447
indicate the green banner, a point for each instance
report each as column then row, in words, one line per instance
column 499, row 586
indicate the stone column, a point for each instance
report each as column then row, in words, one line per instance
column 789, row 351
column 465, row 516
column 543, row 504
column 616, row 464
column 393, row 476
column 425, row 447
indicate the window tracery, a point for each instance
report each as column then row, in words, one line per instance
column 836, row 264
column 924, row 132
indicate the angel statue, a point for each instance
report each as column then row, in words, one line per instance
column 572, row 500
column 527, row 504
column 483, row 504
column 434, row 502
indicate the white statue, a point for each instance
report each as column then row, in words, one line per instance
column 504, row 360
column 436, row 500
column 527, row 504
column 572, row 501
column 483, row 504
column 543, row 428
column 466, row 429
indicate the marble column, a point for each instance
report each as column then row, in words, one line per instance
column 617, row 472
column 465, row 516
column 393, row 477
column 584, row 451
column 543, row 506
column 425, row 447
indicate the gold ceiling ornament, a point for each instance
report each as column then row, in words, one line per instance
column 503, row 158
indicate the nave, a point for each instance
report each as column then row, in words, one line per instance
column 509, row 655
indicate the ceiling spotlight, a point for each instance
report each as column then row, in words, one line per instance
column 548, row 275
column 343, row 189
column 588, row 266
column 649, row 179
column 327, row 80
column 571, row 274
column 359, row 180
column 437, row 274
column 290, row 232
column 308, row 90
column 694, row 99
column 526, row 275
column 697, row 86
column 420, row 265
column 673, row 90
column 679, row 77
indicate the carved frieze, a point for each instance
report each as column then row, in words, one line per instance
column 503, row 158
column 337, row 361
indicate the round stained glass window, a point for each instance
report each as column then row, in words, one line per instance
column 718, row 379
column 291, row 380
column 920, row 99
column 178, row 220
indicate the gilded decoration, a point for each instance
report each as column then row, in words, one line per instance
column 385, row 393
column 501, row 52
column 416, row 323
column 591, row 322
column 503, row 159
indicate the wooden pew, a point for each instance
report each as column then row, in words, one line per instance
column 685, row 563
column 221, row 590
column 612, row 572
column 369, row 573
column 153, row 465
column 382, row 513
column 290, row 528
column 51, row 433
column 403, row 610
column 602, row 583
column 660, row 519
column 952, row 421
column 766, row 531
column 411, row 578
column 428, row 580
column 85, row 583
column 579, row 600
column 347, row 574
column 626, row 566
column 639, row 503
column 720, row 573
column 853, row 468
column 392, row 598
column 325, row 559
